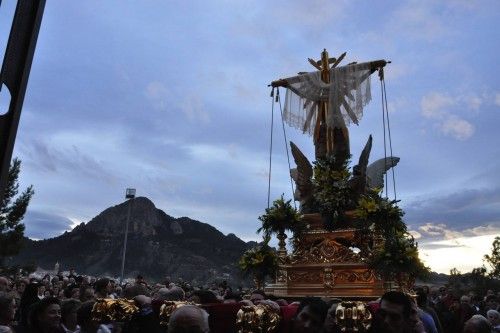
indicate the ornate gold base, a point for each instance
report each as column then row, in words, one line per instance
column 322, row 265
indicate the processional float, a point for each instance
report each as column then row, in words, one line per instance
column 330, row 258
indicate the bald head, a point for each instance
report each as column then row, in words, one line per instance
column 477, row 324
column 188, row 319
column 173, row 294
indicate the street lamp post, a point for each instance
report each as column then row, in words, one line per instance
column 129, row 194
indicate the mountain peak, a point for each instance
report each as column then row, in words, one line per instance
column 144, row 217
column 158, row 245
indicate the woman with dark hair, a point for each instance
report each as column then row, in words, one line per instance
column 84, row 318
column 69, row 310
column 101, row 288
column 28, row 298
column 45, row 316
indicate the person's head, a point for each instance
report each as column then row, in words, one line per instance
column 142, row 301
column 45, row 315
column 477, row 324
column 231, row 297
column 135, row 290
column 443, row 291
column 4, row 284
column 426, row 289
column 310, row 316
column 330, row 324
column 86, row 293
column 421, row 297
column 84, row 317
column 69, row 309
column 55, row 290
column 188, row 319
column 167, row 280
column 434, row 292
column 395, row 312
column 101, row 287
column 41, row 289
column 75, row 293
column 203, row 297
column 118, row 291
column 85, row 281
column 31, row 290
column 20, row 286
column 491, row 302
column 465, row 299
column 257, row 295
column 79, row 280
column 7, row 308
column 494, row 317
column 139, row 279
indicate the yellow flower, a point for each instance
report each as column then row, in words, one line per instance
column 368, row 204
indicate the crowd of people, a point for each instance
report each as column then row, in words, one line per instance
column 64, row 303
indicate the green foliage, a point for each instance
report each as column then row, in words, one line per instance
column 12, row 211
column 332, row 192
column 493, row 260
column 399, row 254
column 281, row 217
column 478, row 281
column 454, row 277
column 385, row 216
column 260, row 261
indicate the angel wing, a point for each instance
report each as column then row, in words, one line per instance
column 358, row 180
column 376, row 171
column 302, row 174
column 365, row 155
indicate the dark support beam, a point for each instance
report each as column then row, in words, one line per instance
column 16, row 67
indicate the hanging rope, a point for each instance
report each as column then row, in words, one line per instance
column 381, row 75
column 270, row 150
column 390, row 139
column 385, row 115
column 286, row 143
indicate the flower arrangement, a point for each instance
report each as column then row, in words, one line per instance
column 398, row 258
column 332, row 191
column 281, row 217
column 260, row 262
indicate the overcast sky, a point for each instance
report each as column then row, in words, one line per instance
column 171, row 98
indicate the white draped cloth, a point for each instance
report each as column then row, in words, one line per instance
column 347, row 93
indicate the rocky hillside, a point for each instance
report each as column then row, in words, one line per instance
column 158, row 245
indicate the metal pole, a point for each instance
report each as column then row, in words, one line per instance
column 126, row 236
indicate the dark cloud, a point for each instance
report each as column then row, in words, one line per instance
column 49, row 158
column 40, row 225
column 461, row 210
